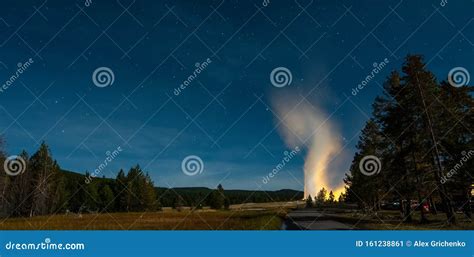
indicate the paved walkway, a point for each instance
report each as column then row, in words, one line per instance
column 308, row 219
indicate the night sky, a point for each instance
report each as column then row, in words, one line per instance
column 225, row 115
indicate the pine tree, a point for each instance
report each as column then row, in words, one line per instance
column 136, row 191
column 331, row 198
column 227, row 203
column 309, row 202
column 61, row 196
column 134, row 185
column 148, row 194
column 45, row 175
column 342, row 198
column 4, row 184
column 419, row 130
column 178, row 203
column 321, row 196
column 106, row 198
column 364, row 189
column 120, row 189
column 92, row 197
column 217, row 198
column 455, row 120
column 20, row 190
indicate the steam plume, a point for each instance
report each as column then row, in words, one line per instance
column 304, row 125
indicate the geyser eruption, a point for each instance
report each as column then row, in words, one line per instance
column 305, row 126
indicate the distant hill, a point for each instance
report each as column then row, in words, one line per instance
column 197, row 196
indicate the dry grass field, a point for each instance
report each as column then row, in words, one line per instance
column 163, row 220
column 251, row 216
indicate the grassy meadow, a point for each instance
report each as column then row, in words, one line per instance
column 162, row 220
column 250, row 216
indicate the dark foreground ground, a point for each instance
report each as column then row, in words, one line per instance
column 253, row 216
column 340, row 219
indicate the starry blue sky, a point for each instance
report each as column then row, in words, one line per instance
column 225, row 116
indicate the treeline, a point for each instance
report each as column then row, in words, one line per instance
column 195, row 198
column 42, row 188
column 199, row 197
column 37, row 189
column 421, row 134
column 323, row 198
